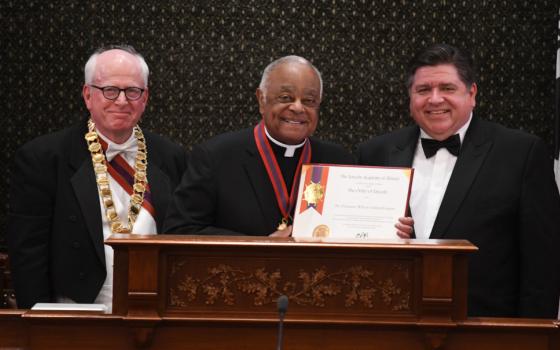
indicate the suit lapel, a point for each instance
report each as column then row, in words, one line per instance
column 402, row 153
column 85, row 188
column 473, row 152
column 159, row 187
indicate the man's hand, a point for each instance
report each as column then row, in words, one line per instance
column 405, row 227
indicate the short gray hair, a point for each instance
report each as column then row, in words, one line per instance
column 284, row 60
column 89, row 68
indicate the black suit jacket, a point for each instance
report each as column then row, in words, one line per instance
column 226, row 189
column 55, row 235
column 502, row 197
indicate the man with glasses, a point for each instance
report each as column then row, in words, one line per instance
column 244, row 182
column 74, row 188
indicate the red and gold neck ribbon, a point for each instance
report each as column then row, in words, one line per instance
column 286, row 202
column 123, row 174
column 314, row 188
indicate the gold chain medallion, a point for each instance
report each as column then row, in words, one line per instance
column 102, row 179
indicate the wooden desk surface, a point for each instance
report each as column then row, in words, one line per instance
column 21, row 329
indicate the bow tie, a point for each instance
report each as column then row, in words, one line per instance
column 124, row 150
column 452, row 143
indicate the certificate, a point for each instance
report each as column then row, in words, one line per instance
column 351, row 202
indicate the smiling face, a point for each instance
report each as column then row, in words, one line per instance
column 115, row 119
column 290, row 102
column 440, row 102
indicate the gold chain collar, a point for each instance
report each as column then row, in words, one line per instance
column 102, row 178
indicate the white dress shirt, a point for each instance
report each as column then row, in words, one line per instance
column 431, row 176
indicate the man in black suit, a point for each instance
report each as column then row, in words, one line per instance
column 73, row 188
column 483, row 182
column 245, row 182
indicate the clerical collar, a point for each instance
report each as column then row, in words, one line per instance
column 462, row 131
column 290, row 149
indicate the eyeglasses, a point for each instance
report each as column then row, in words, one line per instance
column 113, row 92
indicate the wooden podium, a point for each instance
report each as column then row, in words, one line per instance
column 201, row 292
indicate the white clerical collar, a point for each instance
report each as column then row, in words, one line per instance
column 462, row 131
column 127, row 149
column 290, row 149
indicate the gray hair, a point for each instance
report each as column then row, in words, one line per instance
column 288, row 59
column 89, row 68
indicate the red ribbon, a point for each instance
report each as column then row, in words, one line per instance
column 123, row 174
column 285, row 202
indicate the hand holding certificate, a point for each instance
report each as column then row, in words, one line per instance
column 351, row 202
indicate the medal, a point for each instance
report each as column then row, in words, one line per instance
column 282, row 225
column 313, row 193
column 286, row 202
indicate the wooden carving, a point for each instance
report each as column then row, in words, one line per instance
column 355, row 285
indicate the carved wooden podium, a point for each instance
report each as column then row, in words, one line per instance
column 195, row 292
column 211, row 278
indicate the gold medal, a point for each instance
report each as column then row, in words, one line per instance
column 283, row 224
column 286, row 200
column 313, row 193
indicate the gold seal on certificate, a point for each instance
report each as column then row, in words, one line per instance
column 321, row 231
column 313, row 193
column 343, row 202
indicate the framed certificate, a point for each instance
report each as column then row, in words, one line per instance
column 351, row 202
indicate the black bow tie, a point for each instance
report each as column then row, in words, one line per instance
column 452, row 143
